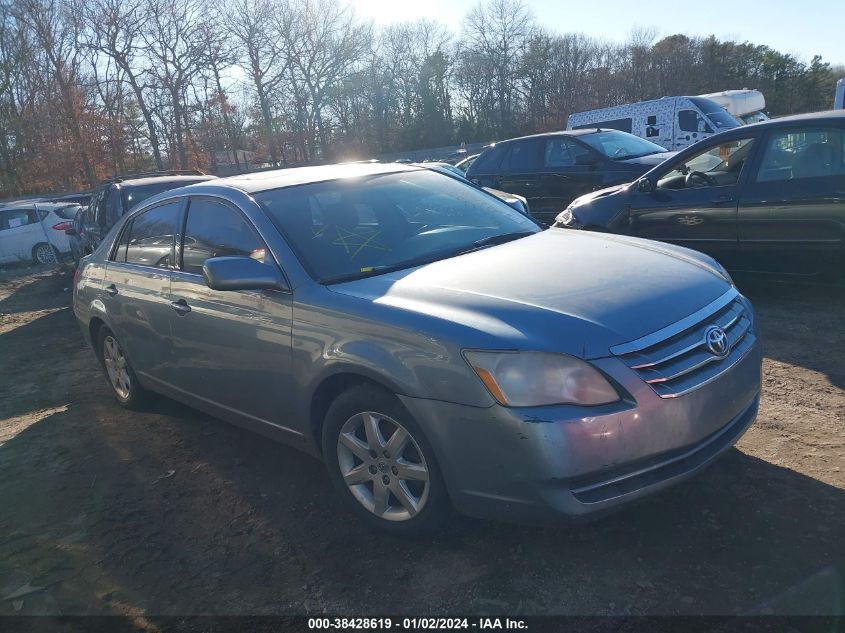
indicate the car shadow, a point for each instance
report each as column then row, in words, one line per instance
column 173, row 512
column 48, row 288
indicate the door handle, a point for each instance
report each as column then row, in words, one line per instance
column 722, row 199
column 111, row 290
column 181, row 306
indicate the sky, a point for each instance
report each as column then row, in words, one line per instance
column 802, row 28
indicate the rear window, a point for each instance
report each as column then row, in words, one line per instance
column 67, row 213
column 133, row 194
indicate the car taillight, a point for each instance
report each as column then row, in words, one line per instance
column 63, row 226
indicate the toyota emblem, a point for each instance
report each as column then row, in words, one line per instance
column 716, row 341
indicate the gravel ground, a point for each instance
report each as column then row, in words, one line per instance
column 170, row 511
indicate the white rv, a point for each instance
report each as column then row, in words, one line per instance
column 672, row 122
column 746, row 105
column 839, row 99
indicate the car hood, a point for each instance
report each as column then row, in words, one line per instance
column 558, row 290
column 648, row 161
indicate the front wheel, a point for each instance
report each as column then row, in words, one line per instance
column 381, row 462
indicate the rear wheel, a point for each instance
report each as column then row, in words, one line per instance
column 43, row 253
column 121, row 377
column 382, row 464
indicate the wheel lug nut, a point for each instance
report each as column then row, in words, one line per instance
column 395, row 470
column 373, row 454
column 373, row 470
column 386, row 454
column 385, row 480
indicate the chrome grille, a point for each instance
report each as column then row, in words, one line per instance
column 677, row 359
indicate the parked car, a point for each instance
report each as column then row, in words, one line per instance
column 114, row 197
column 35, row 231
column 551, row 170
column 413, row 332
column 74, row 235
column 768, row 197
column 672, row 122
column 511, row 199
column 464, row 164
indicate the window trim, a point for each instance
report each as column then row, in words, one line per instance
column 130, row 220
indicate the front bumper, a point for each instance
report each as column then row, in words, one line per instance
column 542, row 463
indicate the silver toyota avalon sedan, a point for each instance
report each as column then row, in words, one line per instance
column 435, row 347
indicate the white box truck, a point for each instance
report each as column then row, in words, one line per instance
column 671, row 122
column 746, row 105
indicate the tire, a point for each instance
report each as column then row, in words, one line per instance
column 121, row 378
column 41, row 254
column 416, row 503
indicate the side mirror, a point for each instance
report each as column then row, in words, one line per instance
column 644, row 185
column 241, row 273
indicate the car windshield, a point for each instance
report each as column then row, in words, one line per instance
column 620, row 145
column 718, row 116
column 352, row 228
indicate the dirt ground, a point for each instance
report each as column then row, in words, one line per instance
column 104, row 511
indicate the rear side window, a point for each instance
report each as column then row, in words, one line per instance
column 14, row 218
column 214, row 229
column 523, row 155
column 150, row 238
column 798, row 154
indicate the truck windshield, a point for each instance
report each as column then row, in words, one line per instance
column 718, row 116
column 620, row 145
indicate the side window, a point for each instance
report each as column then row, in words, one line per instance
column 214, row 230
column 488, row 161
column 14, row 218
column 564, row 152
column 714, row 166
column 792, row 155
column 151, row 236
column 113, row 206
column 523, row 155
column 692, row 121
column 120, row 251
column 651, row 129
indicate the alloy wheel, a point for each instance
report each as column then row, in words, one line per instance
column 116, row 367
column 45, row 255
column 383, row 466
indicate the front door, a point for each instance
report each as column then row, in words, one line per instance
column 569, row 170
column 136, row 288
column 231, row 349
column 694, row 203
column 792, row 212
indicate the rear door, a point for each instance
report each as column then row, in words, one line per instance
column 792, row 212
column 232, row 349
column 136, row 288
column 520, row 172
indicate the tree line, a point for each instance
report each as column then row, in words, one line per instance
column 93, row 88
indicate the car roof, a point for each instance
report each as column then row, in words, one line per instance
column 278, row 178
column 580, row 132
column 151, row 180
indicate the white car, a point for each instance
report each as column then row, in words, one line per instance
column 28, row 230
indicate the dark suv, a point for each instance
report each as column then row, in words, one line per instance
column 113, row 198
column 767, row 197
column 551, row 170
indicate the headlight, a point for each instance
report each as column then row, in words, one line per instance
column 531, row 379
column 565, row 217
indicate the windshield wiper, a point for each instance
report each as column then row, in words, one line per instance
column 494, row 240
